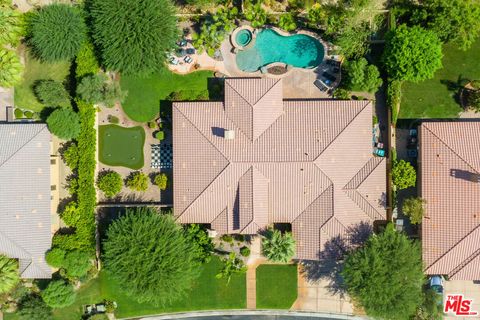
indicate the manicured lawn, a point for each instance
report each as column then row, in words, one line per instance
column 276, row 286
column 144, row 94
column 432, row 98
column 208, row 293
column 34, row 71
column 119, row 146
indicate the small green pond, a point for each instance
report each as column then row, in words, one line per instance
column 120, row 146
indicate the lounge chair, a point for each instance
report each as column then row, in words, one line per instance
column 188, row 59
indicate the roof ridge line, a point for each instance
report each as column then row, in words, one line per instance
column 340, row 133
column 456, row 244
column 369, row 205
column 28, row 254
column 224, row 104
column 448, row 147
column 366, row 177
column 22, row 146
column 265, row 93
column 311, row 203
column 464, row 263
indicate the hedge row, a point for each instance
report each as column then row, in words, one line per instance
column 84, row 237
column 394, row 97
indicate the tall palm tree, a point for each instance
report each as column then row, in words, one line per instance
column 278, row 247
column 8, row 274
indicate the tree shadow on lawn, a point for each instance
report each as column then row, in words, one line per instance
column 331, row 259
column 455, row 87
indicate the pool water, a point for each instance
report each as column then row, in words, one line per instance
column 299, row 50
column 243, row 37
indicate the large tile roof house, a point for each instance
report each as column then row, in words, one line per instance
column 25, row 228
column 256, row 159
column 450, row 183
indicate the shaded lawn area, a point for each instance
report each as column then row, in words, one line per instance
column 208, row 293
column 276, row 286
column 120, row 146
column 145, row 93
column 437, row 98
column 34, row 71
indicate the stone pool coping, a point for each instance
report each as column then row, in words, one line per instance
column 281, row 32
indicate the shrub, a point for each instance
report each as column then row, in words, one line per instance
column 84, row 236
column 189, row 95
column 341, row 94
column 201, row 242
column 58, row 294
column 412, row 54
column 137, row 181
column 413, row 208
column 277, row 247
column 77, row 263
column 34, row 308
column 394, row 97
column 227, row 238
column 52, row 93
column 255, row 14
column 167, row 257
column 28, row 114
column 64, row 123
column 11, row 25
column 134, row 36
column 473, row 99
column 55, row 257
column 152, row 124
column 160, row 135
column 161, row 180
column 245, row 251
column 389, row 257
column 70, row 214
column 287, row 22
column 18, row 113
column 361, row 76
column 231, row 265
column 113, row 119
column 57, row 32
column 110, row 183
column 8, row 274
column 403, row 175
column 86, row 61
column 11, row 69
column 71, row 156
column 98, row 89
column 316, row 15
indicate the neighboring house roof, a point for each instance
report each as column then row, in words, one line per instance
column 450, row 184
column 25, row 228
column 304, row 162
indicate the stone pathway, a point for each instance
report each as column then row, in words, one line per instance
column 252, row 287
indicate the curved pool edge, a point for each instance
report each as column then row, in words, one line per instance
column 242, row 312
column 235, row 47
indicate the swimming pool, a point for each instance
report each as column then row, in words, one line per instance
column 243, row 37
column 299, row 50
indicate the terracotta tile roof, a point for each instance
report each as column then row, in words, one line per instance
column 450, row 184
column 305, row 162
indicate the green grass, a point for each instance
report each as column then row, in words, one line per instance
column 432, row 98
column 120, row 146
column 144, row 94
column 276, row 286
column 34, row 71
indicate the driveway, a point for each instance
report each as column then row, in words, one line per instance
column 469, row 290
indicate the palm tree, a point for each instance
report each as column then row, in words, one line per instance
column 278, row 247
column 8, row 274
column 11, row 68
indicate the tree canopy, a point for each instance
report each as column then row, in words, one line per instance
column 456, row 21
column 388, row 268
column 52, row 93
column 160, row 264
column 34, row 308
column 403, row 174
column 134, row 36
column 361, row 76
column 412, row 54
column 57, row 31
column 278, row 247
column 413, row 208
column 64, row 123
column 110, row 183
column 58, row 294
column 137, row 181
column 9, row 276
column 11, row 69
